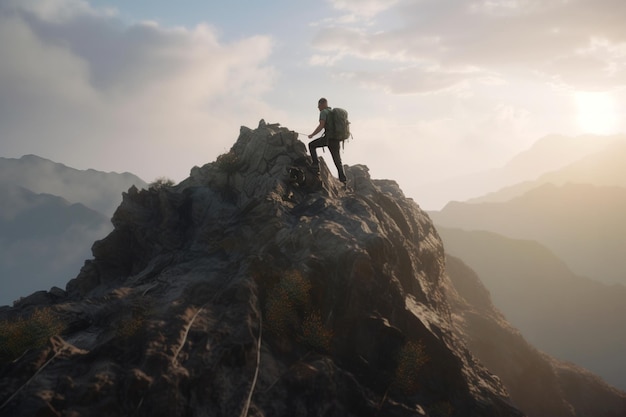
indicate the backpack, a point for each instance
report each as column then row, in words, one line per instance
column 342, row 125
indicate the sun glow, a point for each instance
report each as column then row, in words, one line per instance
column 597, row 112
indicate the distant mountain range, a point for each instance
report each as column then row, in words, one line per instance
column 43, row 240
column 550, row 153
column 39, row 215
column 552, row 252
column 50, row 215
column 585, row 225
column 544, row 385
column 603, row 168
column 568, row 316
column 100, row 191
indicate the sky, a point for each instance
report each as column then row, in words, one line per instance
column 435, row 89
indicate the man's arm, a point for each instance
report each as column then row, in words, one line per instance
column 318, row 129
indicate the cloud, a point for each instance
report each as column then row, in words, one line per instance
column 580, row 43
column 73, row 76
column 363, row 8
column 387, row 45
column 56, row 10
column 417, row 79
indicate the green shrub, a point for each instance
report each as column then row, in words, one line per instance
column 315, row 334
column 410, row 359
column 279, row 314
column 135, row 323
column 296, row 288
column 161, row 182
column 285, row 301
column 130, row 327
column 21, row 334
column 288, row 312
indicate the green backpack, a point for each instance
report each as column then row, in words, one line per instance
column 342, row 125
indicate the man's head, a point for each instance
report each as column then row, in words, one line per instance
column 322, row 103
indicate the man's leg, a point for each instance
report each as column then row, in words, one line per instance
column 313, row 145
column 334, row 148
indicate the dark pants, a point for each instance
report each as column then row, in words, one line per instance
column 333, row 147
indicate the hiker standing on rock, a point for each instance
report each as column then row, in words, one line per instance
column 327, row 139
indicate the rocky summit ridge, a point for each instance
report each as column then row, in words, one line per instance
column 253, row 288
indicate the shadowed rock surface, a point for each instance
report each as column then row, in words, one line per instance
column 256, row 288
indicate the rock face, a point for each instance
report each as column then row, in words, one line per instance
column 254, row 287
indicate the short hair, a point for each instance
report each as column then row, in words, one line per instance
column 322, row 101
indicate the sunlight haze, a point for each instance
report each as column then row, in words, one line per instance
column 597, row 112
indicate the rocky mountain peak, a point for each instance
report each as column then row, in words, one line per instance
column 255, row 287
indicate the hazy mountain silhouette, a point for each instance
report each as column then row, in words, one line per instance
column 43, row 240
column 547, row 154
column 538, row 383
column 569, row 219
column 50, row 215
column 100, row 191
column 604, row 168
column 582, row 224
column 259, row 287
column 568, row 316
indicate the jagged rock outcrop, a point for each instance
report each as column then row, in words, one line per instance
column 255, row 288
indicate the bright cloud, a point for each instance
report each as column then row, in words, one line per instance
column 365, row 8
column 83, row 79
column 555, row 39
column 410, row 80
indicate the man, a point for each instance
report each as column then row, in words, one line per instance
column 328, row 139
